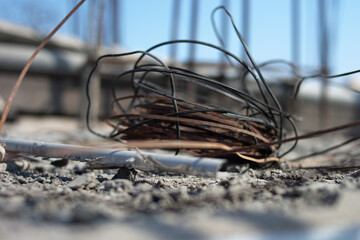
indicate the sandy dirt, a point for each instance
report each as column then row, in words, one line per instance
column 39, row 200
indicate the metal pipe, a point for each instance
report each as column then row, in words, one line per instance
column 76, row 21
column 295, row 30
column 112, row 158
column 324, row 48
column 246, row 24
column 91, row 23
column 193, row 31
column 225, row 39
column 115, row 24
column 100, row 30
column 174, row 29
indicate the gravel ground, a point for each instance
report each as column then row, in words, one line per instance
column 40, row 201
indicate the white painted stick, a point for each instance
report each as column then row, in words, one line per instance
column 112, row 158
column 2, row 153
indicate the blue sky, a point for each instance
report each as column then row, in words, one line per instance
column 145, row 23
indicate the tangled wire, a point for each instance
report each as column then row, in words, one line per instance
column 159, row 115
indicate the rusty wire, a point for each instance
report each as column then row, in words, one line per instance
column 157, row 112
column 159, row 115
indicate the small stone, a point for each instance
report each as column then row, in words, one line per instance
column 41, row 180
column 79, row 169
column 251, row 173
column 124, row 184
column 310, row 174
column 21, row 180
column 213, row 194
column 60, row 163
column 67, row 190
column 93, row 184
column 355, row 174
column 175, row 194
column 56, row 181
column 2, row 153
column 160, row 183
column 108, row 185
column 143, row 187
column 225, row 183
column 86, row 214
column 81, row 181
column 277, row 190
column 39, row 169
column 142, row 201
column 3, row 167
column 18, row 165
column 264, row 175
column 125, row 173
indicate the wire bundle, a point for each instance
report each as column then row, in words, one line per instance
column 160, row 113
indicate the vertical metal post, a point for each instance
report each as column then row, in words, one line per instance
column 225, row 37
column 115, row 24
column 323, row 43
column 295, row 31
column 95, row 94
column 245, row 25
column 246, row 36
column 93, row 52
column 225, row 26
column 295, row 54
column 76, row 21
column 89, row 51
column 174, row 29
column 193, row 31
column 91, row 22
column 191, row 89
column 100, row 33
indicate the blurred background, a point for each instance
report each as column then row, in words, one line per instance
column 319, row 37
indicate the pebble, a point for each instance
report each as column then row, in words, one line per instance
column 355, row 174
column 56, row 181
column 2, row 153
column 125, row 173
column 124, row 184
column 81, row 181
column 175, row 194
column 83, row 213
column 93, row 184
column 67, row 190
column 3, row 167
column 143, row 187
column 213, row 194
column 18, row 165
column 21, row 180
column 108, row 185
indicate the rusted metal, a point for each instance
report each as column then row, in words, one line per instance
column 154, row 120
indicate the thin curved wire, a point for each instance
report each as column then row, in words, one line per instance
column 87, row 88
column 251, row 103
